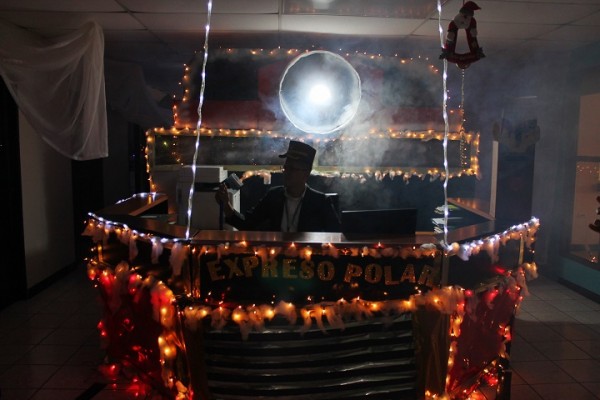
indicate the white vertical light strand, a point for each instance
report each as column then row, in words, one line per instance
column 199, row 124
column 463, row 133
column 446, row 129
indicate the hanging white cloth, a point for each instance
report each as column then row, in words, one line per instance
column 58, row 85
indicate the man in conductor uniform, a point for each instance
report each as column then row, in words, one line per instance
column 293, row 207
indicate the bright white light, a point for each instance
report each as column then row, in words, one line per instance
column 320, row 94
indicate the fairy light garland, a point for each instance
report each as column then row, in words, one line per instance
column 100, row 229
column 153, row 139
column 464, row 162
column 200, row 102
column 446, row 125
column 390, row 133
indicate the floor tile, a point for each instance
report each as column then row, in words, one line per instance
column 563, row 350
column 571, row 391
column 536, row 331
column 9, row 318
column 78, row 377
column 522, row 350
column 82, row 320
column 581, row 370
column 26, row 376
column 587, row 317
column 48, row 354
column 70, row 336
column 12, row 352
column 525, row 316
column 91, row 356
column 31, row 336
column 569, row 305
column 553, row 294
column 16, row 394
column 118, row 395
column 592, row 347
column 523, row 392
column 554, row 317
column 534, row 372
column 62, row 307
column 593, row 387
column 51, row 321
column 56, row 394
column 516, row 379
column 532, row 306
column 575, row 331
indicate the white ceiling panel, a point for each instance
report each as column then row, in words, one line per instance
column 512, row 31
column 167, row 22
column 167, row 6
column 431, row 28
column 200, row 6
column 360, row 26
column 39, row 20
column 541, row 13
column 61, row 5
column 246, row 6
column 162, row 35
column 218, row 22
column 589, row 34
column 241, row 23
column 116, row 36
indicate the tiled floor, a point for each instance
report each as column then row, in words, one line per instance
column 49, row 346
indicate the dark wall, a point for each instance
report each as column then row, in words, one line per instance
column 13, row 284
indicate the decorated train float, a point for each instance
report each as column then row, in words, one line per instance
column 197, row 310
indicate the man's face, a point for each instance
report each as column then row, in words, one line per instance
column 295, row 174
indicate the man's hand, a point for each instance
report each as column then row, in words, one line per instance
column 222, row 197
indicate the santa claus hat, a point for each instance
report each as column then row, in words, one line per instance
column 470, row 6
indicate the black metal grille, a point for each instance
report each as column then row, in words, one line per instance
column 371, row 359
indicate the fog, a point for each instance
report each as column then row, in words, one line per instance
column 526, row 100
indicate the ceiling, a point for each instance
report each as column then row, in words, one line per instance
column 162, row 35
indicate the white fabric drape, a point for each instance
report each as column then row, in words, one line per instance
column 58, row 84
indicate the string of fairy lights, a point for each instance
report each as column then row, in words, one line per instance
column 200, row 103
column 464, row 161
column 170, row 141
column 446, row 125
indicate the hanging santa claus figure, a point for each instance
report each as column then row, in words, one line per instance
column 463, row 20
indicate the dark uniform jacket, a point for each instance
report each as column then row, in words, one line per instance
column 317, row 213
